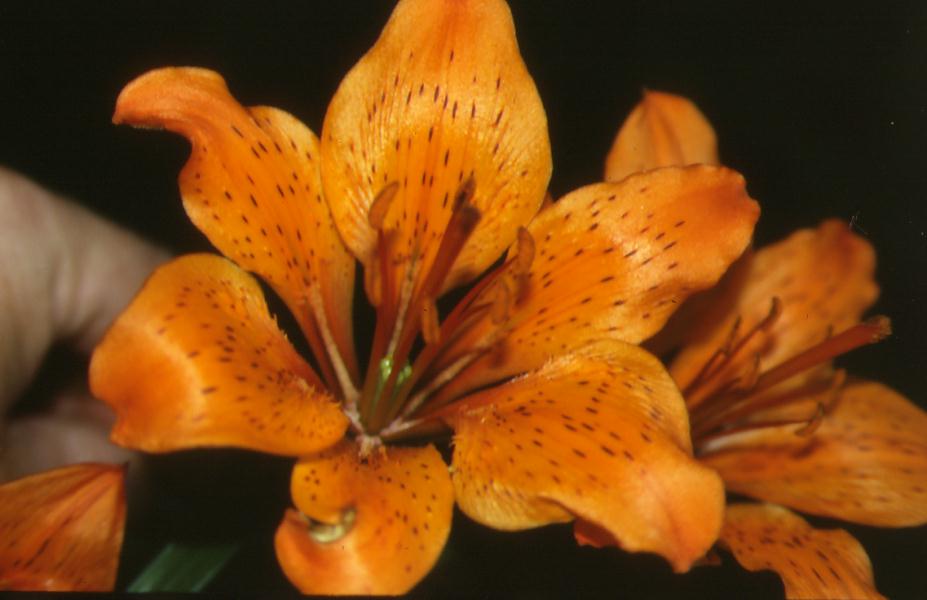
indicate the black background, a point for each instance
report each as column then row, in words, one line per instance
column 823, row 109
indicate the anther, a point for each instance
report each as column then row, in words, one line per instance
column 813, row 422
column 431, row 328
column 524, row 252
column 381, row 205
column 501, row 302
column 463, row 221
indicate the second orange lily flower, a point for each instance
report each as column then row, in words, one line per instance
column 768, row 410
column 433, row 161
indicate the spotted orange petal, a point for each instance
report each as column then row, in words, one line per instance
column 373, row 525
column 707, row 306
column 813, row 563
column 61, row 530
column 600, row 436
column 196, row 360
column 663, row 130
column 252, row 185
column 443, row 96
column 823, row 279
column 613, row 261
column 866, row 462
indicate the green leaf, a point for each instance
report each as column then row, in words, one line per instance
column 179, row 568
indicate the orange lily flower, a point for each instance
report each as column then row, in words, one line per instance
column 433, row 161
column 61, row 530
column 768, row 410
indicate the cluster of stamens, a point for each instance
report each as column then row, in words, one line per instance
column 398, row 391
column 726, row 399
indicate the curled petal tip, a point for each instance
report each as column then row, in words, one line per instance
column 145, row 99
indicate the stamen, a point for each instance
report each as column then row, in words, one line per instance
column 341, row 370
column 501, row 302
column 874, row 330
column 447, row 360
column 813, row 423
column 373, row 285
column 524, row 253
column 416, row 428
column 463, row 221
column 405, row 298
column 810, row 424
column 749, row 379
column 431, row 329
column 380, row 288
column 718, row 415
column 386, row 315
column 461, row 225
column 367, row 444
column 725, row 355
column 515, row 276
column 737, row 409
column 374, row 274
column 404, row 373
column 475, row 303
column 385, row 369
column 750, row 426
column 438, row 354
column 381, row 205
column 439, row 380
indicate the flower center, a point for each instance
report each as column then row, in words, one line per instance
column 726, row 398
column 398, row 386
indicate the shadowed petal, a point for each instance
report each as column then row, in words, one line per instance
column 663, row 130
column 196, row 360
column 365, row 526
column 602, row 437
column 61, row 530
column 613, row 261
column 824, row 280
column 252, row 185
column 812, row 563
column 867, row 462
column 442, row 96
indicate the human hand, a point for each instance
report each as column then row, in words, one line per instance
column 65, row 273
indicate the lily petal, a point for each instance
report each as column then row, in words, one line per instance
column 62, row 529
column 252, row 185
column 812, row 563
column 613, row 261
column 196, row 360
column 866, row 462
column 373, row 525
column 823, row 279
column 601, row 436
column 443, row 96
column 663, row 130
